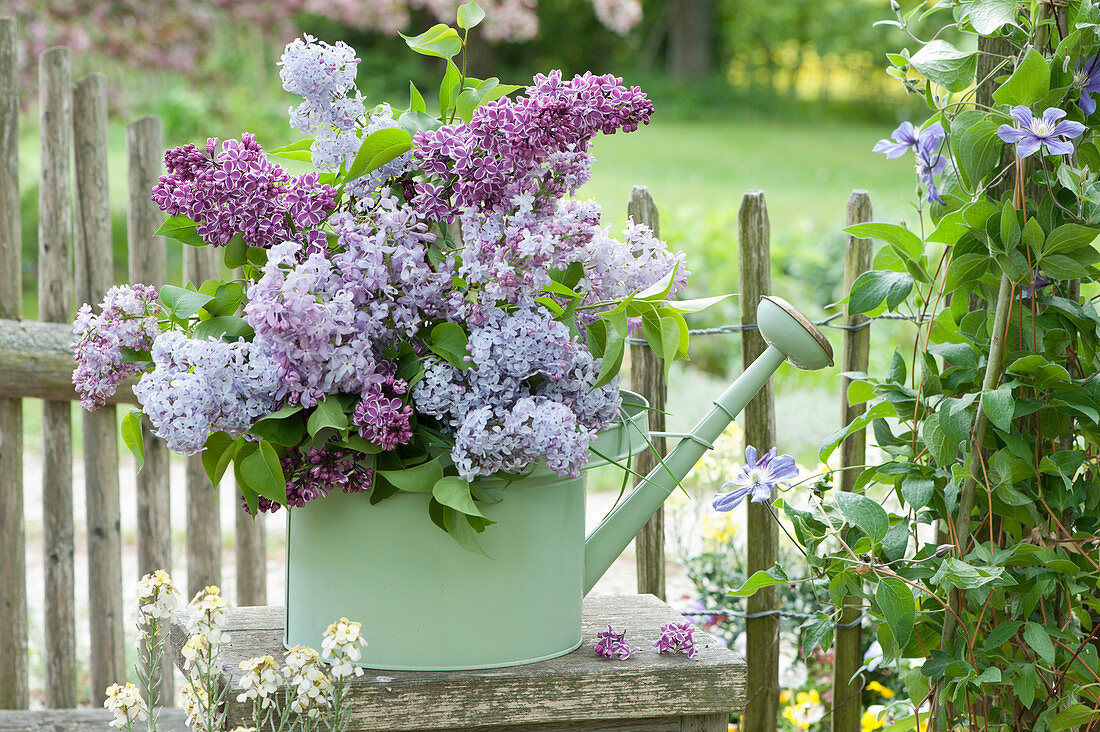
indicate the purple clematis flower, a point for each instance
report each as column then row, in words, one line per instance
column 1040, row 281
column 1088, row 76
column 926, row 145
column 758, row 479
column 1047, row 132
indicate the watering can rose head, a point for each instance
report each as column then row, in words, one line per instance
column 427, row 307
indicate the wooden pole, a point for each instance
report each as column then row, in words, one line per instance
column 251, row 559
column 94, row 276
column 647, row 377
column 848, row 658
column 55, row 304
column 148, row 265
column 204, row 536
column 13, row 548
column 762, row 645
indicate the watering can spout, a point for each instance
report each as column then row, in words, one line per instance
column 790, row 337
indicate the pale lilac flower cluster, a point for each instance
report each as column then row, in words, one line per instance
column 128, row 319
column 610, row 644
column 530, row 396
column 324, row 76
column 238, row 190
column 199, row 386
column 505, row 148
column 677, row 638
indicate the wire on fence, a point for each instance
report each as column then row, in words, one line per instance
column 766, row 613
column 827, row 323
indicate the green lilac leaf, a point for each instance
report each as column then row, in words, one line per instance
column 130, row 429
column 440, row 41
column 455, row 492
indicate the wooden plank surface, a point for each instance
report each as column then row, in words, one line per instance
column 847, row 710
column 148, row 265
column 762, row 634
column 204, row 536
column 647, row 377
column 81, row 720
column 55, row 304
column 36, row 361
column 94, row 276
column 13, row 558
column 578, row 687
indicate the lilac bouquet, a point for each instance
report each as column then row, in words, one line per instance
column 427, row 307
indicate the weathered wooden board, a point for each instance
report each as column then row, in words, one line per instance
column 570, row 692
column 36, row 361
column 80, row 720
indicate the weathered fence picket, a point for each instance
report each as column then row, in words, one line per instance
column 148, row 263
column 848, row 654
column 762, row 633
column 55, row 304
column 13, row 552
column 647, row 377
column 204, row 536
column 94, row 276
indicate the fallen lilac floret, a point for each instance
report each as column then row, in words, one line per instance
column 677, row 638
column 609, row 644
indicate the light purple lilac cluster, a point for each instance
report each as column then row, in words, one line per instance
column 129, row 319
column 324, row 76
column 508, row 146
column 610, row 644
column 200, row 386
column 677, row 638
column 238, row 190
column 529, row 398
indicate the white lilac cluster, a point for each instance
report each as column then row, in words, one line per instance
column 310, row 685
column 125, row 702
column 157, row 596
column 342, row 645
column 324, row 76
column 529, row 398
column 199, row 386
column 260, row 681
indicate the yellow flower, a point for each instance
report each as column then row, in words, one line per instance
column 870, row 721
column 882, row 690
column 784, row 696
column 806, row 711
column 808, row 698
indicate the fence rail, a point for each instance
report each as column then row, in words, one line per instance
column 75, row 266
column 75, row 258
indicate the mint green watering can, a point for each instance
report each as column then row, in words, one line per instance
column 426, row 604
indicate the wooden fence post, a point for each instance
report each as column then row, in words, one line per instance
column 148, row 265
column 13, row 550
column 647, row 377
column 251, row 558
column 55, row 304
column 762, row 643
column 204, row 536
column 94, row 276
column 847, row 709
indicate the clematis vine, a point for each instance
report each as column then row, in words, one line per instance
column 758, row 479
column 1049, row 132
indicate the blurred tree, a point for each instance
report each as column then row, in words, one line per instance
column 690, row 46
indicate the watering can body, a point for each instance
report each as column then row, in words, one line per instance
column 427, row 604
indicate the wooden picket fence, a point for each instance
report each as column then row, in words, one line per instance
column 75, row 266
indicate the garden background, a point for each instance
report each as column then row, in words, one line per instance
column 784, row 97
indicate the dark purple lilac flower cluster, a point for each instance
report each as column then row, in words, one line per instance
column 129, row 319
column 200, row 386
column 238, row 190
column 512, row 146
column 314, row 472
column 529, row 398
column 610, row 644
column 677, row 638
column 381, row 417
